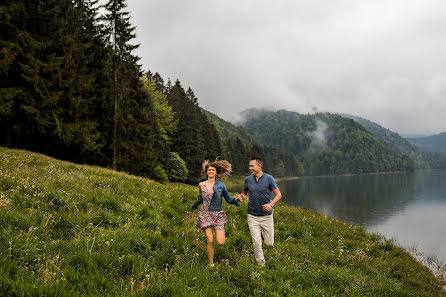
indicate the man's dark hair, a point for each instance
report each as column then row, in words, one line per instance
column 258, row 159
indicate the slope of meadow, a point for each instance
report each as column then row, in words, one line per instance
column 75, row 230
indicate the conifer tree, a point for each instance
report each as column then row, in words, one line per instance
column 96, row 65
column 196, row 139
column 12, row 16
column 120, row 33
column 43, row 107
column 158, row 81
column 164, row 117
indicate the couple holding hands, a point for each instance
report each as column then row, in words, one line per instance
column 258, row 185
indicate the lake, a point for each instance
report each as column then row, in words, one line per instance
column 409, row 207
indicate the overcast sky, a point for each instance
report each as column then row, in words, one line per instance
column 384, row 60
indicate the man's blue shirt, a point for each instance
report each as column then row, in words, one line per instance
column 259, row 193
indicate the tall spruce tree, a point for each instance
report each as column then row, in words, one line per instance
column 135, row 127
column 120, row 34
column 96, row 65
column 196, row 139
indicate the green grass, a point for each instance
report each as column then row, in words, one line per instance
column 235, row 182
column 74, row 230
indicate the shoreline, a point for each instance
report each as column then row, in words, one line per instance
column 239, row 179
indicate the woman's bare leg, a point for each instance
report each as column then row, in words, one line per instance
column 220, row 236
column 210, row 244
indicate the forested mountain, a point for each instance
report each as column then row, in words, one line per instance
column 327, row 143
column 394, row 140
column 227, row 129
column 398, row 144
column 240, row 146
column 433, row 143
column 425, row 154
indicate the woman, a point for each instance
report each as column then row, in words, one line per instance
column 211, row 215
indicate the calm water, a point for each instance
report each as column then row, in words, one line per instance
column 409, row 207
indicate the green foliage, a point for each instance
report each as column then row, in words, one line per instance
column 60, row 79
column 45, row 83
column 398, row 144
column 163, row 112
column 159, row 174
column 176, row 168
column 281, row 163
column 434, row 160
column 238, row 153
column 107, row 233
column 196, row 138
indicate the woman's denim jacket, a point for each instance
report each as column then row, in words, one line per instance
column 216, row 200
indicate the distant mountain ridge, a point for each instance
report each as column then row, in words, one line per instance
column 433, row 143
column 393, row 139
column 326, row 143
column 429, row 153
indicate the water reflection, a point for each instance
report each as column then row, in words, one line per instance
column 407, row 206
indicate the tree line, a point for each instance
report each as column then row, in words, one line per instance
column 72, row 87
column 241, row 145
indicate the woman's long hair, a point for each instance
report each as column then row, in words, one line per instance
column 223, row 167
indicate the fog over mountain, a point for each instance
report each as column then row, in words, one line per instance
column 381, row 60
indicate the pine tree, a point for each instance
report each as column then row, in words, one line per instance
column 12, row 16
column 96, row 65
column 158, row 81
column 196, row 139
column 166, row 124
column 120, row 34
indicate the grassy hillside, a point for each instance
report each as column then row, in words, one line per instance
column 74, row 230
column 433, row 143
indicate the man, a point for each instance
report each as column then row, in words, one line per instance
column 260, row 209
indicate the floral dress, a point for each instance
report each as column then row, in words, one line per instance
column 209, row 218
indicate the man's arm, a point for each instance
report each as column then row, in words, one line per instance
column 277, row 196
column 242, row 196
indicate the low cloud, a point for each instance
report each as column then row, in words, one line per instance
column 318, row 136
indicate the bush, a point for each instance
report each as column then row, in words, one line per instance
column 176, row 168
column 159, row 174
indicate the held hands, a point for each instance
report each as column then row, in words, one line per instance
column 240, row 197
